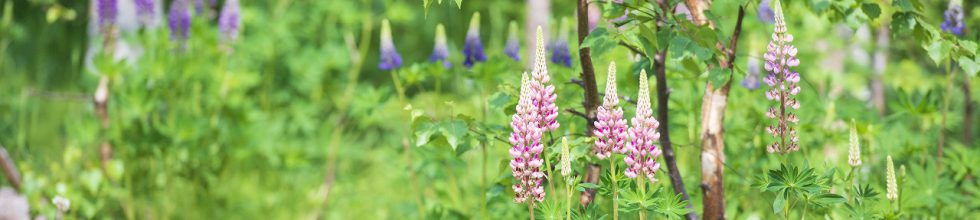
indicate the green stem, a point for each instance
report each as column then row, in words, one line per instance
column 568, row 202
column 640, row 183
column 803, row 217
column 547, row 170
column 398, row 85
column 530, row 208
column 789, row 203
column 615, row 187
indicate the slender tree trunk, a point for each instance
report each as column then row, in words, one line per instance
column 663, row 99
column 9, row 169
column 591, row 102
column 712, row 122
column 880, row 60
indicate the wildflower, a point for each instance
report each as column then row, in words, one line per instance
column 543, row 94
column 389, row 55
column 610, row 128
column 230, row 20
column 179, row 20
column 953, row 22
column 473, row 48
column 559, row 51
column 566, row 161
column 513, row 47
column 107, row 11
column 643, row 153
column 892, row 185
column 441, row 52
column 781, row 56
column 765, row 13
column 854, row 154
column 527, row 148
column 145, row 10
column 751, row 80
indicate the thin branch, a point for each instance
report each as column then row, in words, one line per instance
column 9, row 169
column 632, row 48
column 577, row 113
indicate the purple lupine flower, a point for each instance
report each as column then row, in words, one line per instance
column 473, row 48
column 440, row 53
column 527, row 148
column 953, row 22
column 543, row 94
column 107, row 11
column 764, row 13
column 642, row 148
column 179, row 20
column 199, row 6
column 559, row 51
column 229, row 21
column 781, row 56
column 513, row 47
column 145, row 10
column 751, row 80
column 610, row 128
column 390, row 59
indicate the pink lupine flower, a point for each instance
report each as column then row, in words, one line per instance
column 527, row 148
column 543, row 95
column 610, row 128
column 781, row 56
column 643, row 153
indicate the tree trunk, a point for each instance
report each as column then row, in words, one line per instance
column 713, row 150
column 591, row 101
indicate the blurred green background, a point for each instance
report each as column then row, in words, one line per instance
column 298, row 122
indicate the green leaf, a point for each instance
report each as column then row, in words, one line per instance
column 598, row 41
column 828, row 199
column 719, row 76
column 970, row 67
column 459, row 4
column 938, row 51
column 871, row 9
column 424, row 129
column 968, row 47
column 778, row 204
column 454, row 131
column 903, row 22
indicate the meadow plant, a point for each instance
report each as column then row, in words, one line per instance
column 473, row 47
column 610, row 128
column 513, row 47
column 390, row 59
column 782, row 80
column 642, row 150
column 953, row 18
column 179, row 20
column 440, row 52
column 526, row 148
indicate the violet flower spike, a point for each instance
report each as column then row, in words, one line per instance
column 953, row 21
column 513, row 47
column 390, row 59
column 179, row 19
column 145, row 10
column 543, row 94
column 229, row 22
column 751, row 80
column 765, row 13
column 526, row 147
column 108, row 11
column 473, row 48
column 440, row 52
column 610, row 128
column 781, row 56
column 642, row 148
column 559, row 51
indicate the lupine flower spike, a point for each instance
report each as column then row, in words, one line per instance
column 390, row 59
column 610, row 128
column 559, row 52
column 513, row 47
column 145, row 11
column 473, row 48
column 544, row 94
column 107, row 12
column 179, row 19
column 566, row 161
column 229, row 21
column 440, row 52
column 892, row 184
column 953, row 22
column 765, row 13
column 643, row 153
column 854, row 154
column 526, row 147
column 783, row 86
column 751, row 80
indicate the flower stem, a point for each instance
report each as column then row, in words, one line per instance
column 550, row 178
column 398, row 85
column 568, row 202
column 643, row 193
column 615, row 187
column 530, row 208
